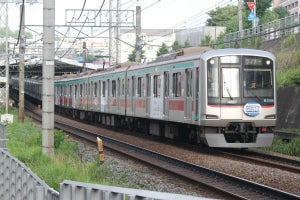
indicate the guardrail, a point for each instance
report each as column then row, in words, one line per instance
column 272, row 30
column 19, row 182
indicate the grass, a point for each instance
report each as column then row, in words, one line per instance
column 291, row 148
column 24, row 142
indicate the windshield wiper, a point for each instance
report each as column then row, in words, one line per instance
column 228, row 91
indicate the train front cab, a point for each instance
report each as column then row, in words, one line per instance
column 240, row 108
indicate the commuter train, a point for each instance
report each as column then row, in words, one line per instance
column 221, row 98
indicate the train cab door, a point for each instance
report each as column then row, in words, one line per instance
column 230, row 92
column 166, row 95
column 188, row 101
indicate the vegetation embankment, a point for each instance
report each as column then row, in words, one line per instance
column 24, row 142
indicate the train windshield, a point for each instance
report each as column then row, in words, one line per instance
column 238, row 79
column 258, row 77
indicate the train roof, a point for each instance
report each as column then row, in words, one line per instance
column 236, row 51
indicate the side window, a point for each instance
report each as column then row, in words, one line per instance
column 166, row 84
column 95, row 89
column 80, row 90
column 188, row 74
column 123, row 87
column 76, row 92
column 148, row 87
column 156, row 85
column 113, row 88
column 103, row 88
column 71, row 90
column 177, row 84
column 140, row 88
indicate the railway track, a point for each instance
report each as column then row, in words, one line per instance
column 231, row 186
column 264, row 159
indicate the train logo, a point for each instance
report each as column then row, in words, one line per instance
column 252, row 109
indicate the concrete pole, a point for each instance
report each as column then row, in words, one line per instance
column 48, row 77
column 6, row 62
column 240, row 14
column 138, row 45
column 110, row 34
column 21, row 65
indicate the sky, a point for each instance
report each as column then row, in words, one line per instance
column 158, row 14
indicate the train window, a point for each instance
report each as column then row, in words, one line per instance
column 156, row 86
column 188, row 74
column 88, row 87
column 80, row 90
column 177, row 84
column 123, row 87
column 128, row 88
column 231, row 82
column 95, row 89
column 166, row 84
column 140, row 90
column 76, row 92
column 212, row 79
column 118, row 87
column 148, row 80
column 71, row 91
column 103, row 88
column 114, row 88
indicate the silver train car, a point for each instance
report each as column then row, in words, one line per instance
column 221, row 98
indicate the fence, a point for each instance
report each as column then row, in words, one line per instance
column 272, row 30
column 19, row 182
column 2, row 136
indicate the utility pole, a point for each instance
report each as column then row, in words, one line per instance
column 117, row 32
column 6, row 62
column 138, row 46
column 21, row 64
column 110, row 34
column 240, row 14
column 48, row 76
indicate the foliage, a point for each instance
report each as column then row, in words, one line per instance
column 291, row 148
column 24, row 142
column 13, row 34
column 187, row 44
column 288, row 63
column 132, row 56
column 176, row 46
column 163, row 49
column 207, row 40
column 281, row 12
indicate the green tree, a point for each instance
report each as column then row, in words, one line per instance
column 187, row 44
column 261, row 10
column 281, row 12
column 163, row 49
column 207, row 40
column 132, row 56
column 176, row 46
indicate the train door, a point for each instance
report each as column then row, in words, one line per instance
column 156, row 103
column 230, row 92
column 118, row 95
column 166, row 94
column 188, row 102
column 133, row 95
column 148, row 94
column 104, row 94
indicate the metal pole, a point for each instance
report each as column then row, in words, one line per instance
column 21, row 65
column 110, row 34
column 48, row 76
